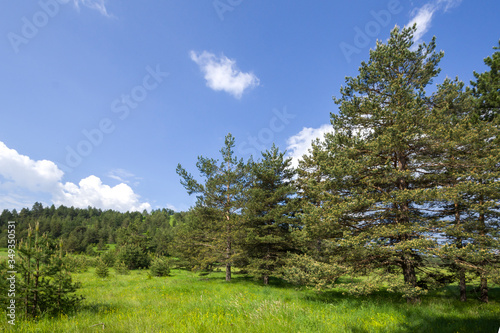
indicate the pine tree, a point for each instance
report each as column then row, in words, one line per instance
column 221, row 199
column 452, row 142
column 102, row 270
column 469, row 158
column 371, row 167
column 269, row 215
column 160, row 267
column 476, row 197
column 45, row 285
column 486, row 89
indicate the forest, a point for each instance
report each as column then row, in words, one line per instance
column 401, row 198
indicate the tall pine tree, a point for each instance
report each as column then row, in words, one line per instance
column 220, row 197
column 269, row 215
column 371, row 168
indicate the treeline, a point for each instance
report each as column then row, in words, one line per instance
column 403, row 193
column 83, row 229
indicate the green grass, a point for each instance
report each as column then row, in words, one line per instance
column 185, row 302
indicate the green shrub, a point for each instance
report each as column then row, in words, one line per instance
column 133, row 256
column 121, row 268
column 78, row 263
column 160, row 267
column 102, row 270
column 109, row 258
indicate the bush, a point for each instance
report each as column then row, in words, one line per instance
column 77, row 264
column 109, row 258
column 102, row 270
column 121, row 268
column 133, row 256
column 160, row 267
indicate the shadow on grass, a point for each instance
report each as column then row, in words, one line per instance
column 96, row 308
column 438, row 312
column 448, row 293
column 443, row 324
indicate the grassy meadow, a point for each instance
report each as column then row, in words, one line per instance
column 187, row 302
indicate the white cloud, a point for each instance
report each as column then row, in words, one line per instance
column 98, row 5
column 423, row 16
column 20, row 170
column 423, row 19
column 92, row 192
column 223, row 75
column 22, row 179
column 300, row 143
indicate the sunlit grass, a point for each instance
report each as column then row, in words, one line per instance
column 185, row 302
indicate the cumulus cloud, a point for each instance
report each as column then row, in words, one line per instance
column 423, row 16
column 222, row 74
column 92, row 192
column 300, row 143
column 98, row 5
column 22, row 178
column 20, row 170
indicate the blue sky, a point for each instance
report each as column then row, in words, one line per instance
column 102, row 99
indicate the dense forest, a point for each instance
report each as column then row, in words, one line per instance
column 81, row 230
column 403, row 192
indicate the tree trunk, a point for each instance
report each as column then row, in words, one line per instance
column 462, row 284
column 403, row 208
column 484, row 280
column 228, row 241
column 410, row 277
column 35, row 293
column 266, row 279
column 461, row 273
column 228, row 271
column 484, row 289
column 228, row 262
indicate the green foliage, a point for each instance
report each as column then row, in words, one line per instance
column 364, row 187
column 221, row 197
column 78, row 263
column 305, row 271
column 133, row 256
column 109, row 258
column 80, row 227
column 102, row 270
column 101, row 246
column 487, row 88
column 90, row 250
column 121, row 268
column 160, row 267
column 45, row 285
column 269, row 215
column 4, row 284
